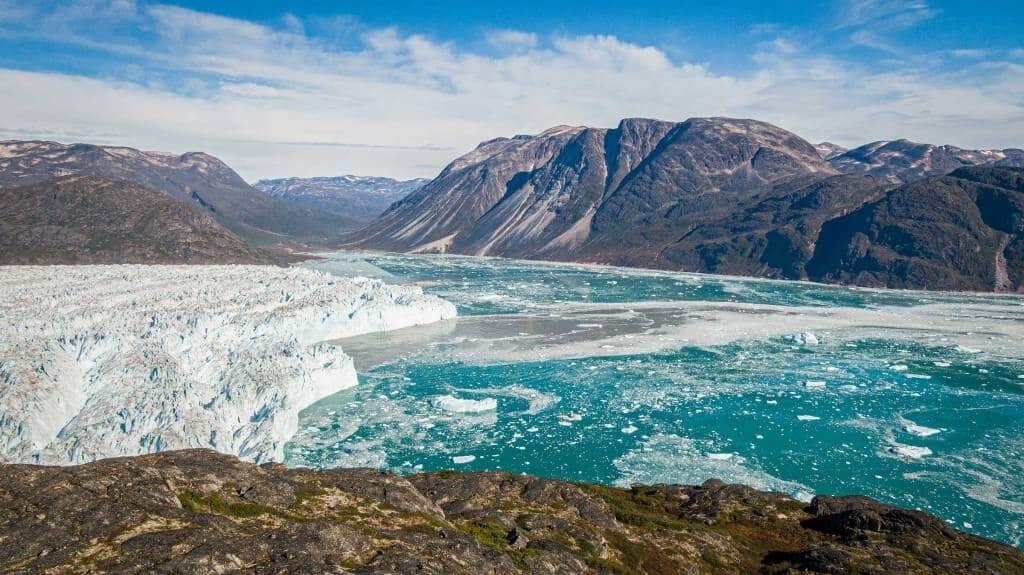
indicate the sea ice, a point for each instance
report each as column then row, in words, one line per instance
column 460, row 459
column 805, row 338
column 814, row 384
column 919, row 430
column 454, row 404
column 909, row 451
column 808, row 417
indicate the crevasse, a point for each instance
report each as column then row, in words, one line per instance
column 101, row 361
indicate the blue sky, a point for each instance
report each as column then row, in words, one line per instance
column 397, row 88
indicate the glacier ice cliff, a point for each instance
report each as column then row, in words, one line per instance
column 101, row 361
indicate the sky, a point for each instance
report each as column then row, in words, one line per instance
column 399, row 89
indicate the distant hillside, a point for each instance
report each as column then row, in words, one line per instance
column 355, row 198
column 901, row 161
column 196, row 178
column 964, row 231
column 93, row 220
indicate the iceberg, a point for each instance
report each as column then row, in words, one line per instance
column 111, row 360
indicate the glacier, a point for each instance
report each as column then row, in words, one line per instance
column 112, row 360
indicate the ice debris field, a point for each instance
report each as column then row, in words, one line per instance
column 622, row 376
column 99, row 361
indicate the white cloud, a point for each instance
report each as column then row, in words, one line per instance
column 274, row 101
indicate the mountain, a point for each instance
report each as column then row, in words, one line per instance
column 198, row 511
column 356, row 198
column 902, row 161
column 196, row 178
column 964, row 231
column 626, row 195
column 87, row 219
column 828, row 150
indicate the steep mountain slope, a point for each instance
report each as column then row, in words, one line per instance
column 904, row 161
column 83, row 219
column 964, row 231
column 623, row 195
column 828, row 150
column 358, row 199
column 196, row 178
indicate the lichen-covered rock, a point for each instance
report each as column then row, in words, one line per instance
column 201, row 512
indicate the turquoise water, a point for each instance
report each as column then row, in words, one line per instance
column 623, row 376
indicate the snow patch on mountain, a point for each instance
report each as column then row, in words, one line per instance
column 101, row 361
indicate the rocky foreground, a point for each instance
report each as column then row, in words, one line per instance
column 198, row 511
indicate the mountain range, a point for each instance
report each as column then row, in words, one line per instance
column 724, row 195
column 195, row 178
column 716, row 195
column 358, row 199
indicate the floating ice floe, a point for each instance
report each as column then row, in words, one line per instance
column 460, row 459
column 898, row 367
column 453, row 404
column 919, row 430
column 808, row 417
column 805, row 338
column 941, row 363
column 629, row 429
column 721, row 456
column 909, row 451
column 814, row 384
column 916, row 376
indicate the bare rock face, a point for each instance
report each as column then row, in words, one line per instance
column 91, row 220
column 201, row 512
column 195, row 178
column 358, row 199
column 901, row 161
column 623, row 195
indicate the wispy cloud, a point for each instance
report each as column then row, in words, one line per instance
column 275, row 99
column 870, row 22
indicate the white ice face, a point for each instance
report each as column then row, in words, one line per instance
column 101, row 361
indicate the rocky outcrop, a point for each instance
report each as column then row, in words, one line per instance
column 201, row 512
column 92, row 220
column 357, row 199
column 964, row 231
column 195, row 178
column 901, row 161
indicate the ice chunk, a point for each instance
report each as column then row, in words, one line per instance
column 808, row 417
column 453, row 404
column 909, row 451
column 460, row 459
column 919, row 430
column 720, row 456
column 898, row 367
column 805, row 338
column 629, row 429
column 814, row 384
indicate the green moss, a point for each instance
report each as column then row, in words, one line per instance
column 214, row 503
column 306, row 493
column 639, row 507
column 490, row 534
